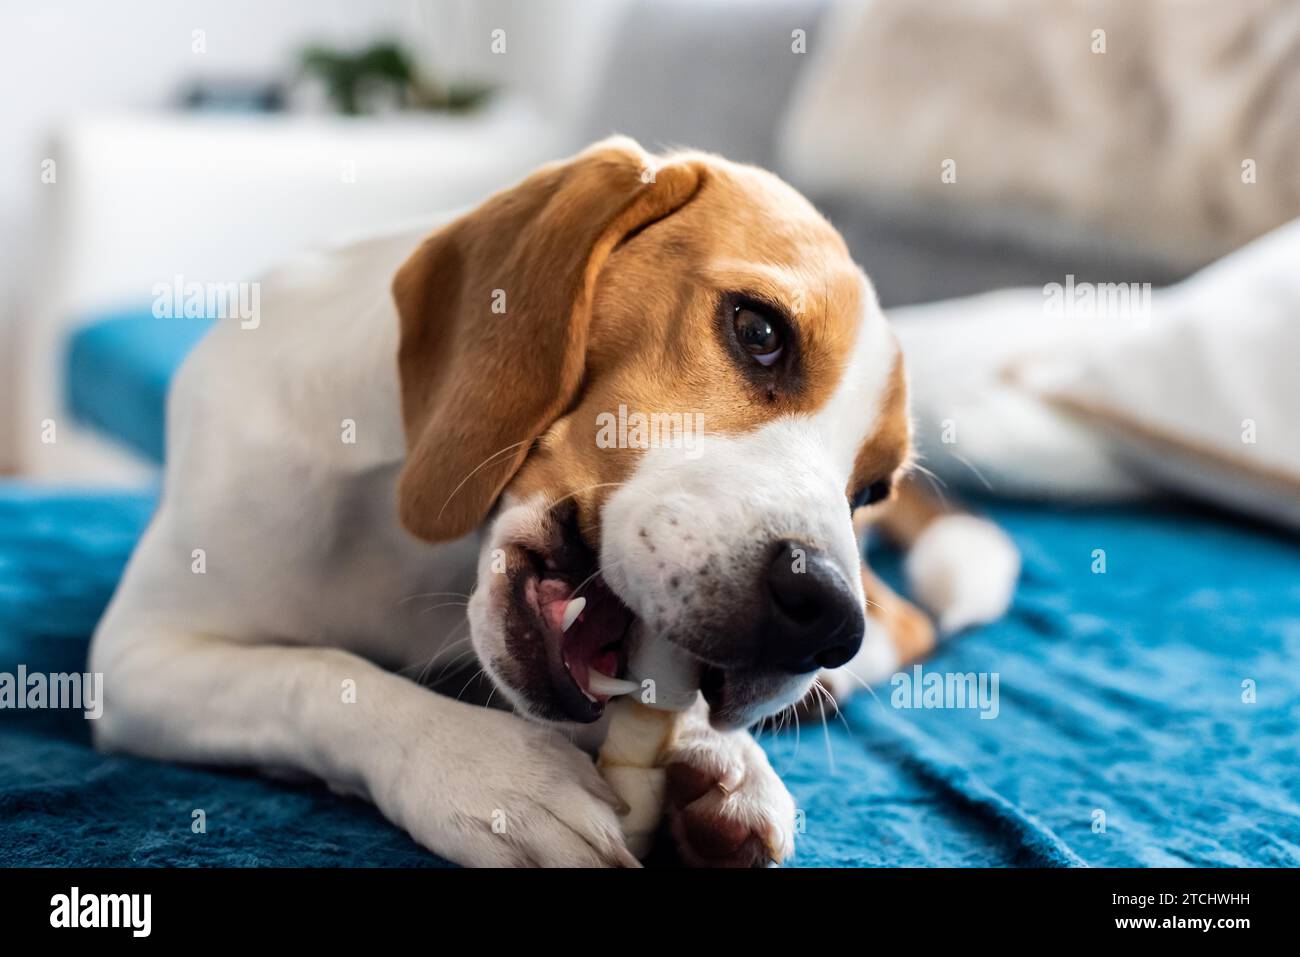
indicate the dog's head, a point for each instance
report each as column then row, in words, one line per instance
column 667, row 385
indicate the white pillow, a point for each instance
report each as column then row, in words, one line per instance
column 1202, row 397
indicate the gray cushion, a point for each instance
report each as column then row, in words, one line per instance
column 917, row 252
column 710, row 75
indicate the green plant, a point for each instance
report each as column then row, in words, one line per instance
column 346, row 76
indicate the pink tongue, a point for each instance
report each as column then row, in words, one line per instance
column 584, row 639
column 606, row 662
column 553, row 598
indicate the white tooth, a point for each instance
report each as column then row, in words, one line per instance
column 571, row 612
column 612, row 687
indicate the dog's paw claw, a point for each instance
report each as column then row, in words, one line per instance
column 748, row 824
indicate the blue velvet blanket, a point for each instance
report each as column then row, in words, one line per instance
column 1147, row 714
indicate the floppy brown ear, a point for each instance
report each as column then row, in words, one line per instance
column 480, row 385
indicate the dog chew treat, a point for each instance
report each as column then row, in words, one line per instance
column 642, row 724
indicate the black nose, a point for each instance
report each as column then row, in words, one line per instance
column 813, row 619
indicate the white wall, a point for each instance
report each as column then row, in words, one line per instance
column 59, row 61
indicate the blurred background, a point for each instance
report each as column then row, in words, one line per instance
column 961, row 147
column 211, row 139
column 1080, row 215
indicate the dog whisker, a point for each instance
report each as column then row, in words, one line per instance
column 427, row 666
column 424, row 668
column 474, row 677
column 481, row 465
column 839, row 713
column 937, row 484
column 456, row 658
column 870, row 690
column 433, row 594
column 798, row 726
column 789, row 715
column 445, row 604
column 822, row 694
column 454, row 662
column 579, row 491
column 423, row 665
column 978, row 474
column 594, row 575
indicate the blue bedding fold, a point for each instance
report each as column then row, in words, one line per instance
column 1119, row 694
column 119, row 367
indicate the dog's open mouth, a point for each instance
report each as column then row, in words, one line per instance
column 586, row 630
column 583, row 625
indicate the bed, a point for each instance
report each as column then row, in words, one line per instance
column 1145, row 716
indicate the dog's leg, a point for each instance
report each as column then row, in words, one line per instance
column 961, row 568
column 726, row 806
column 477, row 786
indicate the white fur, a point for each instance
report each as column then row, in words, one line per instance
column 963, row 570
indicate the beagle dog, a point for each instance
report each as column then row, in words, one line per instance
column 411, row 457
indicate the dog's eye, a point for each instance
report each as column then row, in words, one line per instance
column 758, row 334
column 871, row 494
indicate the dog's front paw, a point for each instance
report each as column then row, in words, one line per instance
column 513, row 794
column 726, row 806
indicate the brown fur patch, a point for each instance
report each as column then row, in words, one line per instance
column 910, row 511
column 887, row 448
